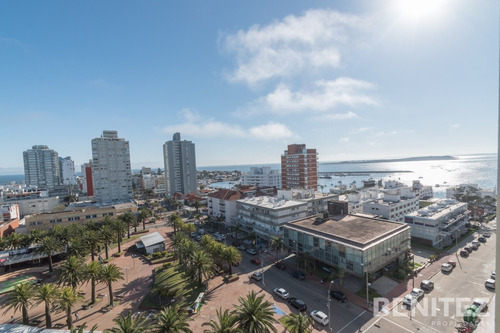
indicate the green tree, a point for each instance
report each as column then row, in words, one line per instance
column 49, row 246
column 118, row 227
column 224, row 324
column 93, row 240
column 171, row 320
column 107, row 234
column 93, row 274
column 20, row 298
column 144, row 213
column 231, row 255
column 82, row 329
column 128, row 218
column 70, row 272
column 201, row 265
column 47, row 293
column 111, row 273
column 175, row 221
column 16, row 240
column 67, row 300
column 298, row 323
column 254, row 315
column 130, row 324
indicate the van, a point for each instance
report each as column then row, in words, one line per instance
column 427, row 285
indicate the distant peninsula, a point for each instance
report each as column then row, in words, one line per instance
column 408, row 159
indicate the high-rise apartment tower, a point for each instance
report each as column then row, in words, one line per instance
column 111, row 172
column 180, row 166
column 299, row 168
column 67, row 168
column 41, row 167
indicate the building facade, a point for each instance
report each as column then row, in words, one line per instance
column 262, row 176
column 111, row 172
column 41, row 167
column 180, row 166
column 358, row 244
column 87, row 183
column 223, row 203
column 67, row 168
column 299, row 168
column 439, row 224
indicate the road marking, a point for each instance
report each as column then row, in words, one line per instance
column 392, row 323
column 413, row 319
column 349, row 323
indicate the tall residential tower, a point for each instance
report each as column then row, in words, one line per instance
column 67, row 168
column 180, row 166
column 299, row 168
column 41, row 167
column 111, row 172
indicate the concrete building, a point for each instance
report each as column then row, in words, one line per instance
column 316, row 201
column 470, row 189
column 111, row 173
column 41, row 167
column 67, row 168
column 358, row 244
column 262, row 176
column 265, row 216
column 439, row 224
column 424, row 192
column 87, row 183
column 299, row 168
column 180, row 166
column 9, row 219
column 151, row 243
column 223, row 203
column 31, row 202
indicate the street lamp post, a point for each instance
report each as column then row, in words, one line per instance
column 365, row 267
column 262, row 270
column 456, row 237
column 329, row 309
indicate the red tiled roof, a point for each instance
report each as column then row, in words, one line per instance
column 229, row 195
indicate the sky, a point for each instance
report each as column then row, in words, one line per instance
column 244, row 79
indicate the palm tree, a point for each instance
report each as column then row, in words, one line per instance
column 276, row 243
column 20, row 298
column 82, row 329
column 68, row 298
column 49, row 245
column 36, row 235
column 254, row 315
column 128, row 219
column 111, row 273
column 144, row 213
column 118, row 227
column 93, row 240
column 130, row 324
column 47, row 293
column 93, row 273
column 107, row 234
column 201, row 265
column 231, row 255
column 224, row 324
column 298, row 323
column 70, row 273
column 174, row 221
column 16, row 240
column 171, row 320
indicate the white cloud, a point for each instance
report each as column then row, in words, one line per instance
column 288, row 47
column 454, row 126
column 271, row 131
column 344, row 139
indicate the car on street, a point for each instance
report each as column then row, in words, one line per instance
column 427, row 285
column 481, row 239
column 493, row 275
column 468, row 248
column 452, row 262
column 446, row 267
column 281, row 293
column 486, row 234
column 298, row 304
column 235, row 244
column 255, row 261
column 490, row 283
column 480, row 305
column 418, row 293
column 319, row 317
column 280, row 265
column 409, row 300
column 298, row 275
column 257, row 276
column 251, row 251
column 474, row 245
column 241, row 247
column 338, row 295
column 464, row 253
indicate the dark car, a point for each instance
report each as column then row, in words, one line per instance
column 235, row 243
column 481, row 239
column 280, row 265
column 298, row 304
column 255, row 261
column 298, row 275
column 468, row 248
column 338, row 295
column 464, row 253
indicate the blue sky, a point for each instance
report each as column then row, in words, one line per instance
column 242, row 80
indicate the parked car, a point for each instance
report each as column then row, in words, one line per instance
column 480, row 305
column 241, row 247
column 427, row 285
column 418, row 293
column 281, row 293
column 410, row 300
column 481, row 239
column 338, row 295
column 319, row 317
column 251, row 251
column 255, row 261
column 446, row 267
column 298, row 275
column 486, row 234
column 493, row 275
column 280, row 265
column 235, row 244
column 468, row 248
column 464, row 253
column 452, row 262
column 298, row 304
column 256, row 276
column 475, row 245
column 490, row 283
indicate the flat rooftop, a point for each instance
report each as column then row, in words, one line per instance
column 355, row 230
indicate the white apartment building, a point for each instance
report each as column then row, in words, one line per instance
column 356, row 200
column 316, row 201
column 439, row 224
column 262, row 176
column 424, row 191
column 464, row 188
column 111, row 173
column 159, row 188
column 67, row 167
column 180, row 166
column 41, row 167
column 223, row 203
column 266, row 215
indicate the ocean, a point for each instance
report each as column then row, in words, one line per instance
column 480, row 169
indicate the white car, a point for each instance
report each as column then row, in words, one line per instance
column 251, row 251
column 281, row 293
column 319, row 317
column 490, row 283
column 446, row 267
column 418, row 293
column 480, row 304
column 410, row 300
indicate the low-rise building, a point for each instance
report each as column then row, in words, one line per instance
column 9, row 219
column 358, row 244
column 439, row 224
column 151, row 243
column 316, row 201
column 223, row 203
column 262, row 176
